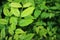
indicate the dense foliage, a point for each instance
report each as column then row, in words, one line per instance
column 30, row 20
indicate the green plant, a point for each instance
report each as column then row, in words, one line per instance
column 30, row 20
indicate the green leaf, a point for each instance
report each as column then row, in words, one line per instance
column 23, row 36
column 40, row 22
column 54, row 29
column 26, row 36
column 47, row 15
column 13, row 20
column 27, row 12
column 43, row 6
column 6, row 12
column 10, row 38
column 6, row 5
column 40, row 30
column 27, row 4
column 19, row 31
column 3, row 33
column 53, row 8
column 3, row 21
column 16, row 37
column 28, row 1
column 12, row 27
column 43, row 32
column 15, row 11
column 50, row 33
column 44, row 15
column 11, row 32
column 15, row 5
column 25, row 22
column 51, row 15
column 36, row 29
column 6, row 9
column 29, row 17
column 29, row 36
column 37, row 13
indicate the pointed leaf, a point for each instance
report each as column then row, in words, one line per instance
column 6, row 12
column 37, row 13
column 27, row 5
column 29, row 1
column 25, row 22
column 27, row 12
column 12, row 27
column 19, row 31
column 44, row 15
column 15, row 5
column 29, row 17
column 29, row 36
column 15, row 11
column 13, row 20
